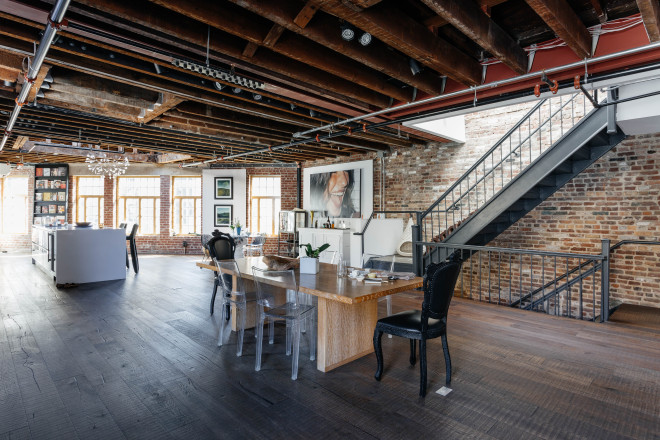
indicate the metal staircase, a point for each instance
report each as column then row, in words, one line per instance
column 555, row 141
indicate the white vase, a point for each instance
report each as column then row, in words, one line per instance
column 309, row 265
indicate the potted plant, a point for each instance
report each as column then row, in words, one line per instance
column 237, row 225
column 310, row 263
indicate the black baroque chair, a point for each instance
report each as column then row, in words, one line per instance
column 134, row 253
column 221, row 247
column 428, row 323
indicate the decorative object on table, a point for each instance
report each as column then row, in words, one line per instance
column 428, row 323
column 222, row 215
column 106, row 166
column 237, row 225
column 310, row 263
column 224, row 188
column 275, row 262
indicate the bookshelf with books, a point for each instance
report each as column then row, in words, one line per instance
column 51, row 194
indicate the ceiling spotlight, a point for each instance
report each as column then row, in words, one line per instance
column 347, row 32
column 218, row 85
column 236, row 90
column 365, row 39
column 414, row 67
column 257, row 97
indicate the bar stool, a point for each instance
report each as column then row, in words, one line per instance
column 134, row 254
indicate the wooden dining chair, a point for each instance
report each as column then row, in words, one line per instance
column 420, row 325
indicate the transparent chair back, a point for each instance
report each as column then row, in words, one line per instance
column 256, row 247
column 233, row 294
column 278, row 299
column 380, row 263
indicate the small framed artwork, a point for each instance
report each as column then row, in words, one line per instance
column 224, row 188
column 223, row 215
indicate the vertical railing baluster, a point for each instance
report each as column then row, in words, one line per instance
column 568, row 291
column 489, row 283
column 545, row 306
column 520, row 271
column 556, row 295
column 593, row 291
column 499, row 277
column 510, row 277
column 480, row 286
column 580, row 291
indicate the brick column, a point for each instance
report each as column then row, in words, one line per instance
column 109, row 202
column 165, row 182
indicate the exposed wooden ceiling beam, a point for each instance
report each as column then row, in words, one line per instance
column 235, row 21
column 11, row 66
column 403, row 33
column 273, row 35
column 265, row 59
column 563, row 20
column 306, row 14
column 325, row 30
column 165, row 102
column 600, row 10
column 468, row 18
column 650, row 10
column 250, row 49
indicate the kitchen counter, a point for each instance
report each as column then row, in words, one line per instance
column 80, row 255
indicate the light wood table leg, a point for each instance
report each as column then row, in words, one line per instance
column 345, row 332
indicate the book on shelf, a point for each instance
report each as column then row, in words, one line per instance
column 37, row 221
column 44, row 209
column 54, row 172
column 46, row 197
column 38, row 197
column 62, row 171
column 54, row 184
column 60, row 209
column 61, row 196
column 38, row 172
column 46, row 172
column 52, row 209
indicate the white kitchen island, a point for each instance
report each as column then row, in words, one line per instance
column 80, row 255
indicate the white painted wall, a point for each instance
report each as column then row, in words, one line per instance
column 239, row 200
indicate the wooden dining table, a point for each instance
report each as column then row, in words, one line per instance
column 347, row 309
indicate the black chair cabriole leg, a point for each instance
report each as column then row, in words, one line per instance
column 445, row 349
column 215, row 290
column 422, row 367
column 413, row 350
column 378, row 335
column 134, row 256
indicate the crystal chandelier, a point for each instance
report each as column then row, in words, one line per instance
column 101, row 164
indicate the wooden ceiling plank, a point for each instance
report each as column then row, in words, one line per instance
column 19, row 142
column 325, row 31
column 468, row 18
column 306, row 14
column 237, row 23
column 412, row 38
column 650, row 10
column 38, row 81
column 563, row 20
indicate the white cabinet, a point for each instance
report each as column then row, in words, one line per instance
column 338, row 239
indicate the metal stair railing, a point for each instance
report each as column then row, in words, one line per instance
column 509, row 156
column 541, row 281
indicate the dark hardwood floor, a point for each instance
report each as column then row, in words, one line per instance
column 138, row 359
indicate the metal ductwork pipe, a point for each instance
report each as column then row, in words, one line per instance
column 54, row 21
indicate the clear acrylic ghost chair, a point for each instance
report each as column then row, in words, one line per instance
column 292, row 310
column 329, row 257
column 381, row 263
column 256, row 247
column 233, row 293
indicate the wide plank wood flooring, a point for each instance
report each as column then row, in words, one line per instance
column 138, row 359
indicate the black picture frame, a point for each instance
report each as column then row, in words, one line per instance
column 223, row 188
column 222, row 215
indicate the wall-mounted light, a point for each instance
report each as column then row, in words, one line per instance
column 365, row 39
column 347, row 32
column 414, row 67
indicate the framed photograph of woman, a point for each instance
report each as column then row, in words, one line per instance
column 224, row 188
column 336, row 194
column 223, row 216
